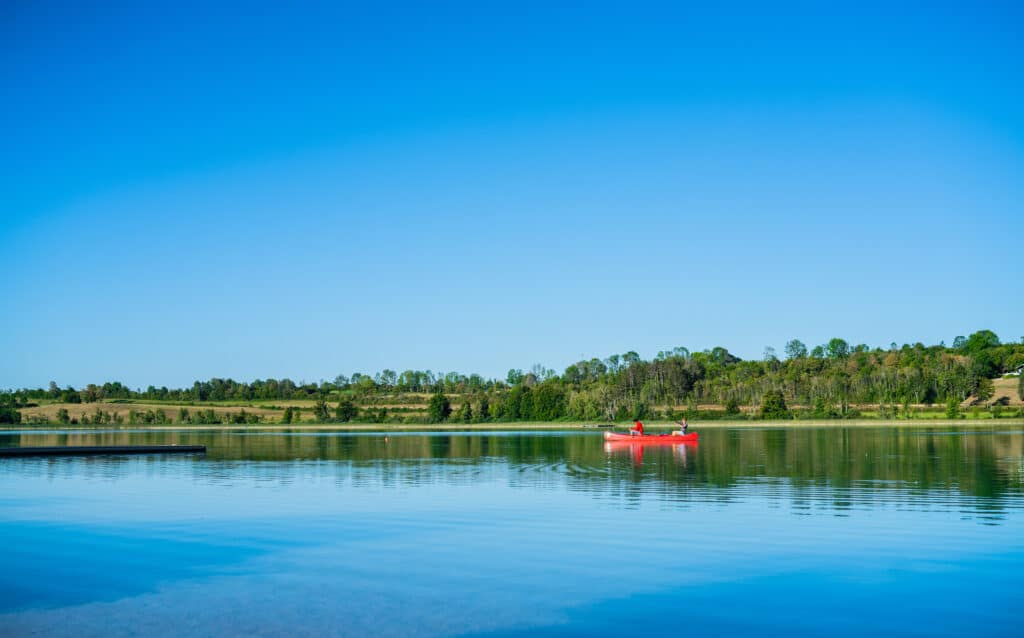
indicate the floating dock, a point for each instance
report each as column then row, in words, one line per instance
column 81, row 450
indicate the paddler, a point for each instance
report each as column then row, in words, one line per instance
column 637, row 429
column 683, row 425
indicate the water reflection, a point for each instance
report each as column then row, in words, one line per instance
column 833, row 469
column 636, row 450
column 290, row 533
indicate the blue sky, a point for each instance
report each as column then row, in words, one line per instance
column 248, row 191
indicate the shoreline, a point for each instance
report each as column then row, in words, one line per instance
column 515, row 427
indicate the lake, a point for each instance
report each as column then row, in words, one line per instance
column 808, row 531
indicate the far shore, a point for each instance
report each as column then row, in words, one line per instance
column 656, row 426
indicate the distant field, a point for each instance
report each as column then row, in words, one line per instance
column 77, row 410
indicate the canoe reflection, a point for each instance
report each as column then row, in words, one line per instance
column 636, row 450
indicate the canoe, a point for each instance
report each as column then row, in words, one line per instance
column 651, row 438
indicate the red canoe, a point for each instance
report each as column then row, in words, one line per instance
column 651, row 438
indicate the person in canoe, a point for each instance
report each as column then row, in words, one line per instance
column 683, row 426
column 637, row 429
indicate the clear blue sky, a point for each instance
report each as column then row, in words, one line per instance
column 191, row 191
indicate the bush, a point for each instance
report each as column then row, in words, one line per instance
column 773, row 406
column 346, row 411
column 439, row 408
column 375, row 416
column 952, row 408
column 549, row 402
column 984, row 389
column 732, row 407
column 320, row 412
column 243, row 417
column 822, row 410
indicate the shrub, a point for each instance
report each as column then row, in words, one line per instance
column 732, row 407
column 952, row 408
column 773, row 406
column 346, row 411
column 821, row 409
column 439, row 408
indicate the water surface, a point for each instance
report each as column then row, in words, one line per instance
column 809, row 531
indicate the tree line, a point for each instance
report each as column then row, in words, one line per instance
column 829, row 380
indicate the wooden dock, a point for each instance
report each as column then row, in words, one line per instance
column 81, row 450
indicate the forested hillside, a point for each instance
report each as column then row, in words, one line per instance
column 833, row 380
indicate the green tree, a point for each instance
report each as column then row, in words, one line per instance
column 484, row 412
column 346, row 411
column 821, row 409
column 985, row 389
column 518, row 404
column 439, row 408
column 288, row 415
column 981, row 340
column 952, row 408
column 1020, row 386
column 549, row 402
column 773, row 405
column 63, row 416
column 466, row 412
column 837, row 348
column 795, row 349
column 321, row 412
column 525, row 397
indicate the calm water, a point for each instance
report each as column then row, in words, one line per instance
column 808, row 531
